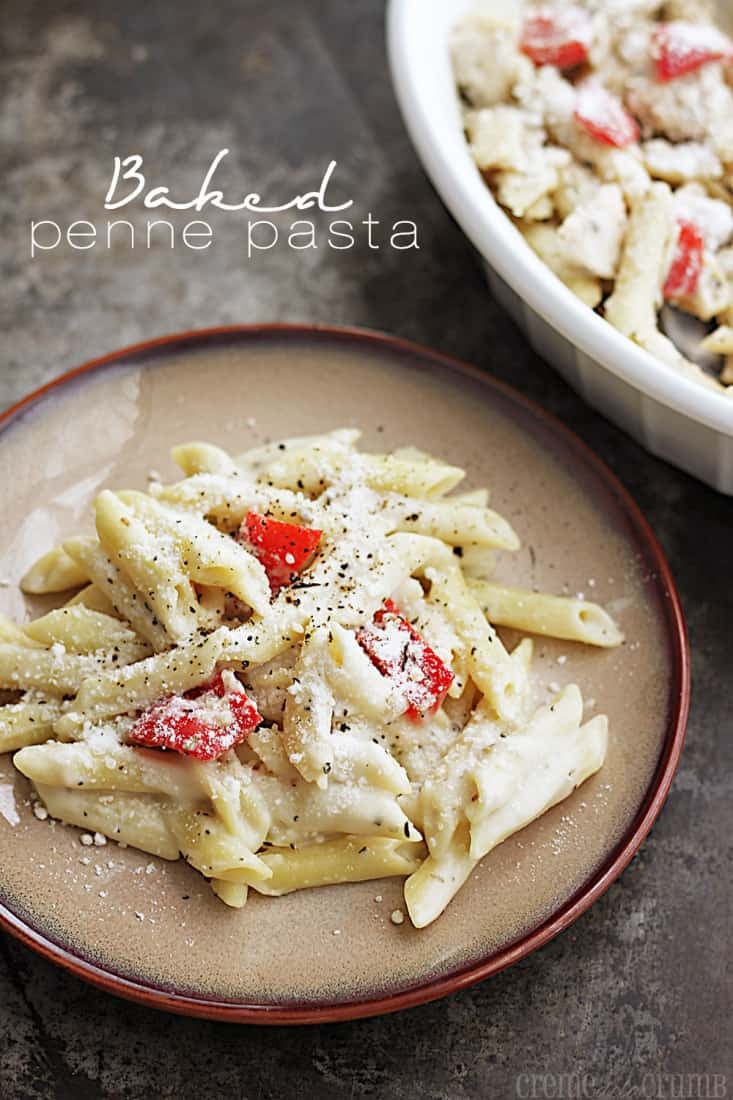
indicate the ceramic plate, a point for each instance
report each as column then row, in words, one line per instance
column 152, row 930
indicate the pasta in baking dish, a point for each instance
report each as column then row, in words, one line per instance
column 605, row 130
column 284, row 668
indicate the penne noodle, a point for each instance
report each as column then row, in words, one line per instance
column 492, row 669
column 207, row 845
column 91, row 597
column 56, row 571
column 203, row 458
column 121, row 690
column 226, row 500
column 207, row 556
column 346, row 859
column 564, row 617
column 12, row 634
column 27, row 723
column 137, row 821
column 82, row 630
column 233, row 894
column 109, row 579
column 151, row 565
column 80, row 766
column 28, row 668
column 308, row 714
column 459, row 525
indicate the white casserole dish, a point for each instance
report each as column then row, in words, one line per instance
column 673, row 416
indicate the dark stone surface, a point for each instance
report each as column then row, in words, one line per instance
column 639, row 986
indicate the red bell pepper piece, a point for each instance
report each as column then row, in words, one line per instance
column 679, row 48
column 397, row 650
column 686, row 266
column 555, row 35
column 603, row 116
column 203, row 723
column 284, row 549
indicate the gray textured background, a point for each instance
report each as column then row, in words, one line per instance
column 640, row 984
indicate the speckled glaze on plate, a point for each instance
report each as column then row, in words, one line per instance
column 151, row 930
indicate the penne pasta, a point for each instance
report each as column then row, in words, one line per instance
column 632, row 308
column 82, row 630
column 285, row 670
column 458, row 525
column 597, row 127
column 109, row 579
column 27, row 723
column 137, row 821
column 564, row 617
column 82, row 766
column 91, row 597
column 56, row 571
column 346, row 859
column 151, row 565
column 27, row 667
column 233, row 894
column 12, row 634
column 490, row 666
column 203, row 458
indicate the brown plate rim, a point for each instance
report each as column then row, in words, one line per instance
column 200, row 1005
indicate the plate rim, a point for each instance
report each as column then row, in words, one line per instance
column 168, row 999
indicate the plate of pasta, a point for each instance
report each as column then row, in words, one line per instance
column 335, row 676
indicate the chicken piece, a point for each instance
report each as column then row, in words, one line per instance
column 521, row 191
column 593, row 234
column 620, row 51
column 712, row 293
column 690, row 108
column 681, row 162
column 543, row 239
column 500, row 138
column 541, row 210
column 550, row 100
column 486, row 60
column 624, row 166
column 577, row 185
column 713, row 216
column 621, row 166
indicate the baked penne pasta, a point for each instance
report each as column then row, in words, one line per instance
column 600, row 128
column 285, row 669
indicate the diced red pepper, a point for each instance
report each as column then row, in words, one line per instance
column 284, row 549
column 204, row 723
column 397, row 650
column 555, row 35
column 679, row 48
column 686, row 266
column 603, row 116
